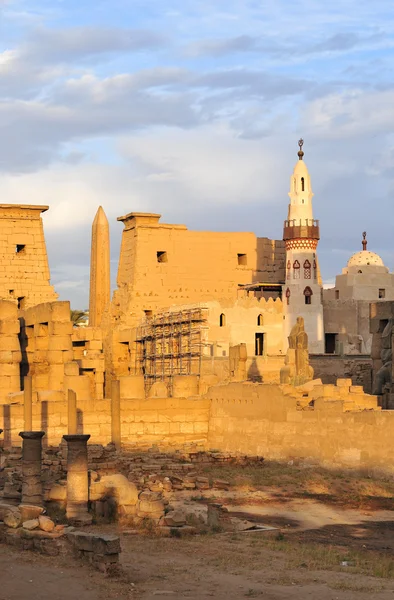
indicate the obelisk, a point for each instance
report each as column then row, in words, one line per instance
column 100, row 286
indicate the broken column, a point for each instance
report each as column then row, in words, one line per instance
column 77, row 479
column 100, row 287
column 31, row 467
column 115, row 414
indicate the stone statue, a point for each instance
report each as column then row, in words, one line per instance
column 297, row 369
column 384, row 376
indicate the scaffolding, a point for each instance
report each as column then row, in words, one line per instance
column 171, row 343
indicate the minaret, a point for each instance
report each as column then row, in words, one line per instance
column 302, row 292
column 100, row 286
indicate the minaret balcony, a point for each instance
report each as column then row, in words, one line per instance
column 301, row 228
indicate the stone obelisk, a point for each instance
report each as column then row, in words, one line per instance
column 100, row 286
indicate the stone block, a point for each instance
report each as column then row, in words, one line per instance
column 60, row 342
column 9, row 327
column 9, row 343
column 61, row 328
column 344, row 383
column 106, row 544
column 81, row 540
column 46, row 524
column 31, row 524
column 71, row 368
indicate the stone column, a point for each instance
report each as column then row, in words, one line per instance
column 31, row 467
column 77, row 480
column 72, row 412
column 115, row 414
column 28, row 402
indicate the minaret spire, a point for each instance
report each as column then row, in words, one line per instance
column 300, row 151
column 100, row 287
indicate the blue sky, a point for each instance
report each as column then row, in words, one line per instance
column 193, row 109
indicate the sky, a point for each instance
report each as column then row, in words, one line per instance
column 193, row 109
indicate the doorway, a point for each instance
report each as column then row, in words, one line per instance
column 259, row 344
column 330, row 342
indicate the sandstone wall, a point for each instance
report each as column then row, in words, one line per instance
column 10, row 352
column 263, row 420
column 168, row 421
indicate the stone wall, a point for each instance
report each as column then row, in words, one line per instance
column 333, row 425
column 329, row 368
column 163, row 421
column 10, row 351
column 264, row 420
column 45, row 343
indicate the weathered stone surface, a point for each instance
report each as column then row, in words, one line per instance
column 124, row 492
column 175, row 518
column 31, row 524
column 46, row 524
column 29, row 511
column 57, row 493
column 13, row 519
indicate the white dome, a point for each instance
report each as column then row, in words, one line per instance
column 365, row 258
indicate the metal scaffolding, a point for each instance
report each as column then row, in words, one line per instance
column 169, row 344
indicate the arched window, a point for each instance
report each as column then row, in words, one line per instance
column 288, row 269
column 288, row 296
column 302, row 185
column 296, row 267
column 222, row 320
column 307, row 270
column 308, row 295
column 260, row 320
column 315, row 270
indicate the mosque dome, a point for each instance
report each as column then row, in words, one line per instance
column 365, row 258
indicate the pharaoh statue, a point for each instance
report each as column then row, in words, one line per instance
column 297, row 369
column 384, row 376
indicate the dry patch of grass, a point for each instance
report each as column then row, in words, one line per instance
column 350, row 488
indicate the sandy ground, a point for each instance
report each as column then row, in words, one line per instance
column 327, row 553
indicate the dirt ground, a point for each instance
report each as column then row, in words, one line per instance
column 335, row 540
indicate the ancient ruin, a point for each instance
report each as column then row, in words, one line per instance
column 214, row 350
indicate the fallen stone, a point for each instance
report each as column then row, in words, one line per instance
column 31, row 524
column 38, row 533
column 46, row 524
column 30, row 511
column 220, row 484
column 5, row 509
column 175, row 518
column 124, row 491
column 13, row 519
